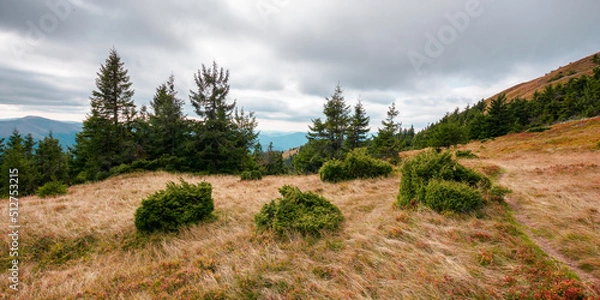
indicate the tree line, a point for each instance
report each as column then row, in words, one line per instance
column 575, row 99
column 118, row 138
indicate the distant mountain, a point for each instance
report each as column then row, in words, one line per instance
column 40, row 127
column 65, row 132
column 282, row 140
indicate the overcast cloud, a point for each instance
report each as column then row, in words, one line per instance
column 286, row 56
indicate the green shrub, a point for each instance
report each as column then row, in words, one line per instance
column 465, row 154
column 334, row 171
column 425, row 167
column 120, row 169
column 451, row 196
column 306, row 213
column 52, row 188
column 176, row 206
column 251, row 175
column 360, row 165
column 357, row 165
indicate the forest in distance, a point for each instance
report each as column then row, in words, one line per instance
column 118, row 137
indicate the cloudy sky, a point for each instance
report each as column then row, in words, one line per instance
column 286, row 56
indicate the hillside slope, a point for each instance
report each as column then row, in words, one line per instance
column 84, row 245
column 562, row 74
column 555, row 178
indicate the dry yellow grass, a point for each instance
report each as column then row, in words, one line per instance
column 84, row 245
column 555, row 178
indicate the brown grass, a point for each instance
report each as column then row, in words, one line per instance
column 84, row 244
column 555, row 178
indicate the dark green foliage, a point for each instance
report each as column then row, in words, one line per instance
column 358, row 128
column 18, row 155
column 107, row 138
column 357, row 165
column 420, row 170
column 270, row 162
column 223, row 138
column 326, row 140
column 334, row 171
column 52, row 188
column 167, row 124
column 451, row 196
column 251, row 175
column 387, row 145
column 50, row 161
column 296, row 211
column 176, row 206
column 448, row 134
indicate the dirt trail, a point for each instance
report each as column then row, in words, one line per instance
column 547, row 247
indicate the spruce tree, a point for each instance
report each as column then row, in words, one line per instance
column 499, row 118
column 386, row 144
column 107, row 139
column 337, row 115
column 16, row 157
column 167, row 122
column 358, row 128
column 223, row 139
column 50, row 161
column 326, row 139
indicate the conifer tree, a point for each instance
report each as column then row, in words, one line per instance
column 16, row 157
column 386, row 144
column 499, row 118
column 107, row 139
column 358, row 128
column 50, row 161
column 223, row 139
column 167, row 121
column 326, row 139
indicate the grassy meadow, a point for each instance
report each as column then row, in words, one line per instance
column 541, row 243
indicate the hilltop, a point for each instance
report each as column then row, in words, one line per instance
column 525, row 90
column 83, row 245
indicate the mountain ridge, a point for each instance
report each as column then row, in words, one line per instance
column 65, row 132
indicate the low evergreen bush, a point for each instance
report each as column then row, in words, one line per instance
column 419, row 171
column 357, row 165
column 451, row 196
column 176, row 206
column 52, row 188
column 297, row 211
column 334, row 171
column 251, row 175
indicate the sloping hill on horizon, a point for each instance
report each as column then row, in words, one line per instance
column 525, row 90
column 40, row 127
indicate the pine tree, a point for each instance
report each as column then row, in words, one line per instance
column 499, row 118
column 16, row 157
column 223, row 139
column 326, row 140
column 107, row 138
column 336, row 123
column 358, row 128
column 273, row 162
column 386, row 144
column 167, row 121
column 50, row 161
